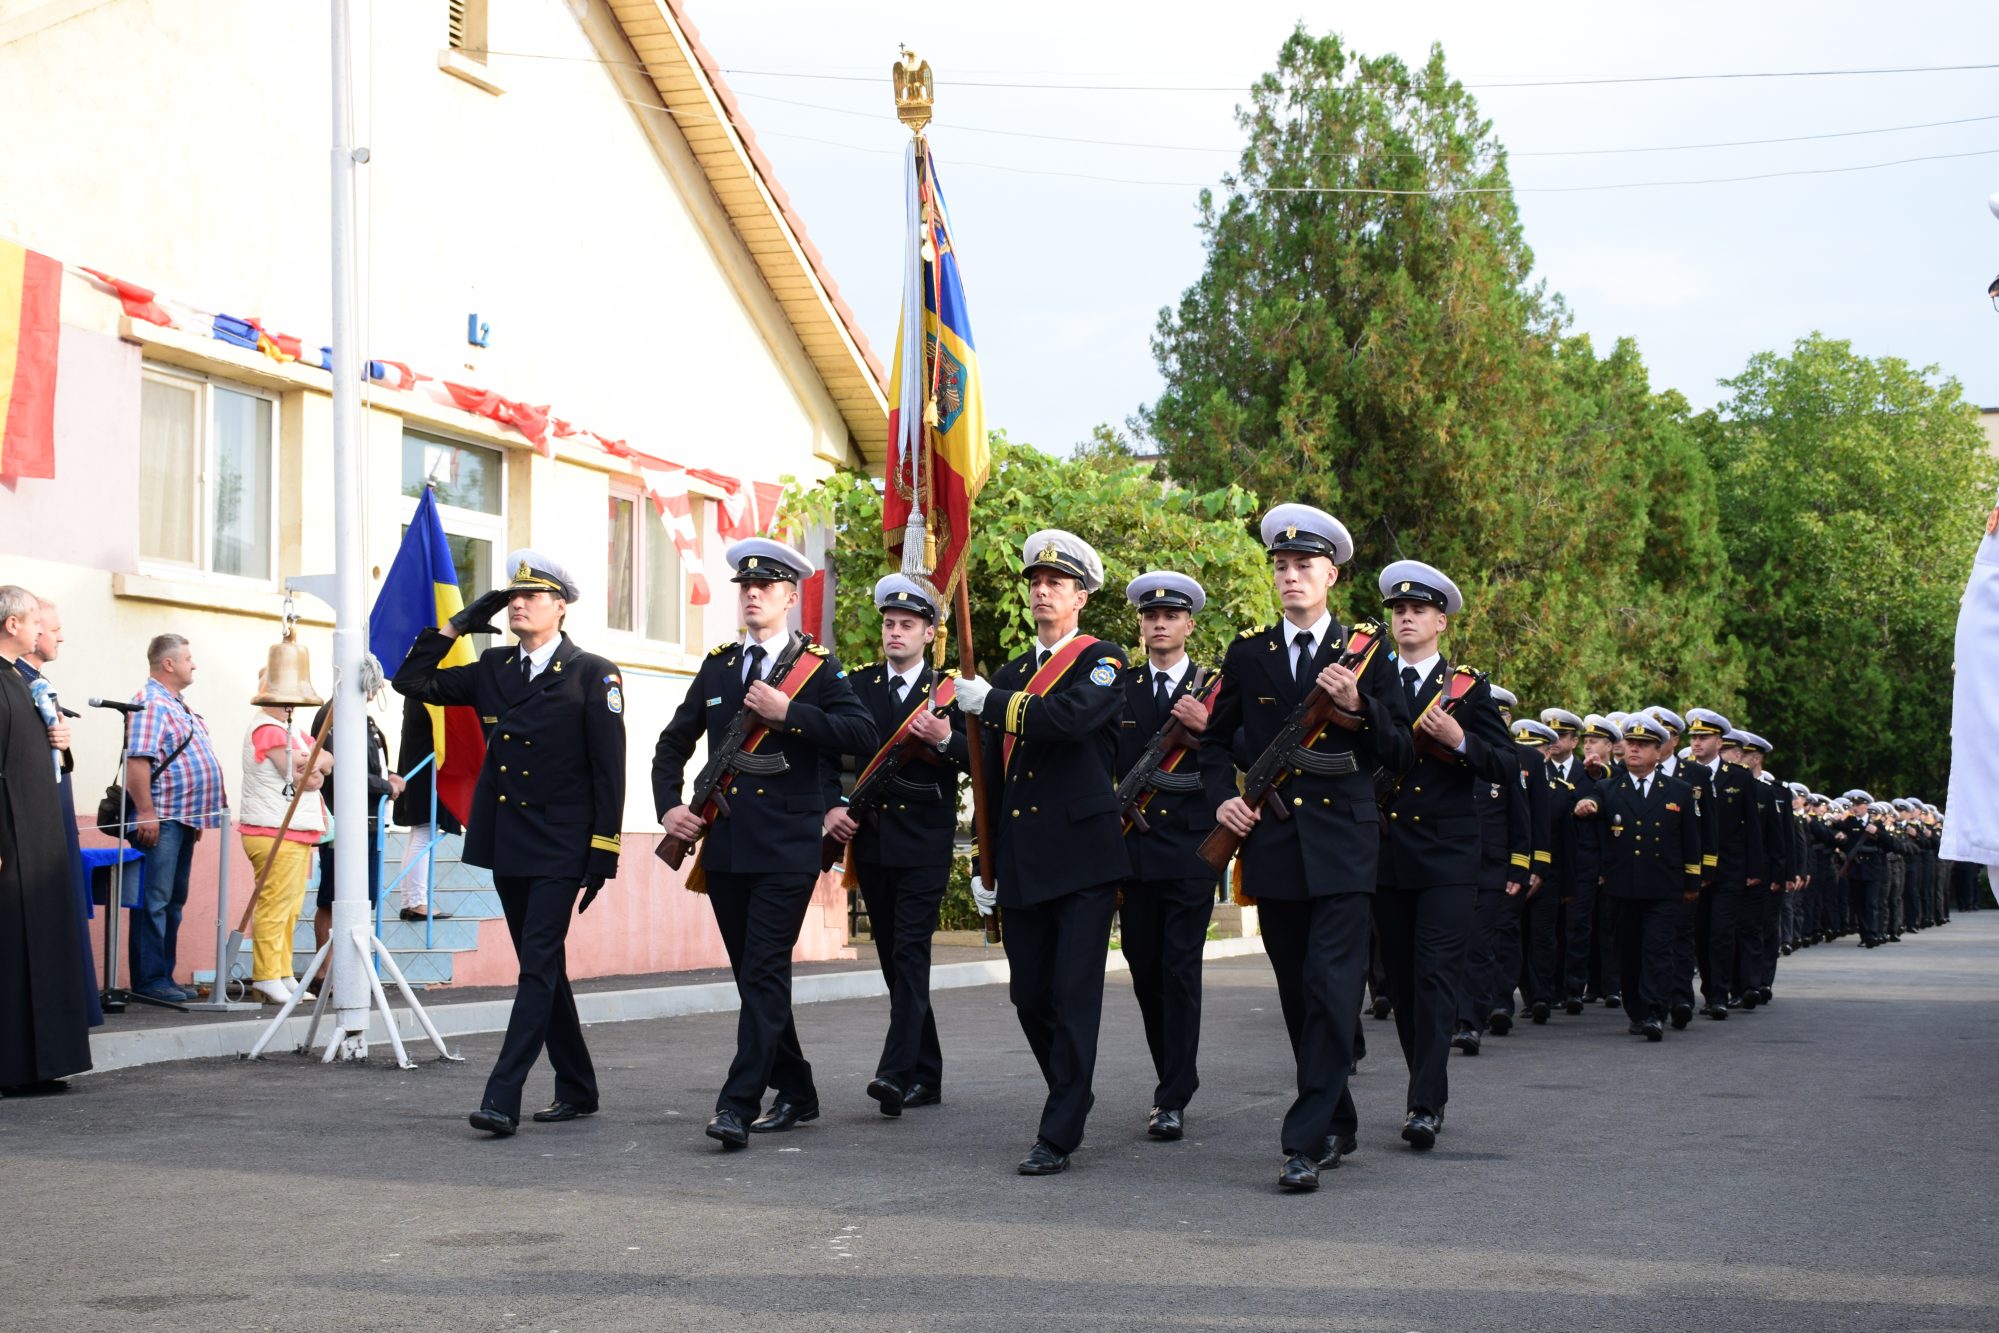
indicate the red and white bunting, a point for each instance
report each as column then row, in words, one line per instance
column 667, row 488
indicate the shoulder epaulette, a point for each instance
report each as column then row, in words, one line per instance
column 1464, row 670
column 817, row 650
column 1251, row 632
column 721, row 648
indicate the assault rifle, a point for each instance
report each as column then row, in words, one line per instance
column 727, row 756
column 877, row 784
column 1133, row 792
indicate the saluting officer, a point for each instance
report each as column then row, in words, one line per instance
column 546, row 811
column 901, row 849
column 1732, row 863
column 1058, row 844
column 1649, row 850
column 760, row 861
column 1428, row 872
column 1312, row 875
column 1171, row 892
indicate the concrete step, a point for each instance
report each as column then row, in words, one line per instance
column 451, row 936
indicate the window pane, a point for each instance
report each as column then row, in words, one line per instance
column 241, row 489
column 618, row 611
column 472, row 560
column 662, row 581
column 466, row 475
column 169, row 476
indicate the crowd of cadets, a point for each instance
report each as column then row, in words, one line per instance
column 1398, row 829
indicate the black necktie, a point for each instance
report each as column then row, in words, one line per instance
column 1041, row 658
column 755, row 658
column 896, row 685
column 1303, row 666
column 1411, row 682
column 527, row 669
column 1161, row 693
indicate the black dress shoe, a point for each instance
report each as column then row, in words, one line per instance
column 1635, row 1028
column 559, row 1111
column 411, row 914
column 1337, row 1146
column 920, row 1094
column 1165, row 1124
column 1573, row 1005
column 1467, row 1040
column 1683, row 1014
column 1541, row 1011
column 1380, row 1009
column 1654, row 1030
column 1299, row 1173
column 497, row 1123
column 1763, row 995
column 48, row 1087
column 1614, row 1000
column 783, row 1114
column 727, row 1129
column 1717, row 1011
column 1043, row 1160
column 1419, row 1131
column 1499, row 1023
column 888, row 1094
column 1748, row 1000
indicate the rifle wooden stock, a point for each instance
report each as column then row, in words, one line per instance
column 1260, row 784
column 1171, row 736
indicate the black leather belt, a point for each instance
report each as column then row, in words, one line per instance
column 1336, row 764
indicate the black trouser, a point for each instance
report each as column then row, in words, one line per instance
column 760, row 916
column 1165, row 925
column 1866, row 875
column 1690, row 933
column 1422, row 943
column 1056, row 951
column 544, row 1013
column 1648, row 946
column 1760, row 936
column 1578, row 935
column 1730, row 927
column 902, row 911
column 1503, row 953
column 1609, row 976
column 1479, row 974
column 1318, row 953
column 1540, row 962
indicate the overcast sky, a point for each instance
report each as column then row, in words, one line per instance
column 1065, row 275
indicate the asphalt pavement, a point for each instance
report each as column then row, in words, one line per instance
column 1825, row 1163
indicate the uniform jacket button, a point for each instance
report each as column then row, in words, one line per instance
column 503, row 768
column 760, row 791
column 1016, row 814
column 1033, row 809
column 503, row 800
column 506, row 736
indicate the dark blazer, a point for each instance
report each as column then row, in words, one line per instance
column 775, row 820
column 1732, row 795
column 1434, row 833
column 1506, row 832
column 1650, row 847
column 1332, row 842
column 1702, row 781
column 550, row 799
column 1773, row 804
column 1179, row 819
column 1054, row 818
column 917, row 824
column 1575, row 856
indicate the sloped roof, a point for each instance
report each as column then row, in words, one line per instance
column 691, row 85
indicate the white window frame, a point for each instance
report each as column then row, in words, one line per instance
column 457, row 521
column 644, row 514
column 204, row 508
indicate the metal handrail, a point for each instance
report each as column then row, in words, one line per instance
column 429, row 861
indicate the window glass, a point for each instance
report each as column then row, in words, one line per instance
column 623, row 568
column 467, row 476
column 169, row 469
column 241, row 484
column 662, row 581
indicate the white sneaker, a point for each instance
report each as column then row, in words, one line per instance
column 273, row 992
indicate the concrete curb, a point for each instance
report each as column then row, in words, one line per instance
column 124, row 1050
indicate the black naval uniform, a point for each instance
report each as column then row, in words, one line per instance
column 1690, row 951
column 1506, row 834
column 902, row 858
column 1731, row 861
column 1311, row 875
column 1428, row 873
column 1538, row 973
column 762, row 860
column 1170, row 893
column 1058, row 855
column 1573, row 883
column 1757, row 945
column 545, row 815
column 1649, row 850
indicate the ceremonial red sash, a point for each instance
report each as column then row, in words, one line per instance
column 1171, row 763
column 941, row 694
column 1362, row 643
column 1045, row 680
column 804, row 669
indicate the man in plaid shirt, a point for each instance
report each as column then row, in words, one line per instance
column 174, row 783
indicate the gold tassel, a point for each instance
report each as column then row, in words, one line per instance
column 1236, row 894
column 697, row 878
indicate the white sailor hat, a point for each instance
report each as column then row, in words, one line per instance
column 1855, row 794
column 1798, row 788
column 1596, row 724
column 534, row 571
column 1900, row 803
column 1667, row 718
column 1880, row 808
column 1751, row 741
column 1686, row 752
column 1616, row 721
column 1065, row 553
column 1563, row 721
column 761, row 560
column 1296, row 527
column 1414, row 581
column 1706, row 722
column 1166, row 589
column 899, row 592
column 1529, row 732
column 1502, row 696
column 1734, row 736
column 1645, row 727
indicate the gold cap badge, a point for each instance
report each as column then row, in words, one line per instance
column 523, row 573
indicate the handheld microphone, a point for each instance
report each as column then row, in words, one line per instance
column 117, row 706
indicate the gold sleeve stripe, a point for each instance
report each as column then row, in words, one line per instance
column 1710, row 860
column 1016, row 712
column 1520, row 859
column 600, row 843
column 1545, row 858
column 1693, row 870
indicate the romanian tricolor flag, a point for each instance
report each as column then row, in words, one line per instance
column 30, row 298
column 421, row 592
column 938, row 456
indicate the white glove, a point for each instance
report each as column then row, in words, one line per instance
column 986, row 898
column 971, row 696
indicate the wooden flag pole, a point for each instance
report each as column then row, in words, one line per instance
column 968, row 665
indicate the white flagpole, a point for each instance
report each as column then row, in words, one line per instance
column 1971, row 813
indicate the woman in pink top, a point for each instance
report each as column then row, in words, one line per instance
column 275, row 749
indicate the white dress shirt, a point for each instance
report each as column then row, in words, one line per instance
column 772, row 646
column 538, row 659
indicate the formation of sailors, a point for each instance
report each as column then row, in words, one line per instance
column 1399, row 830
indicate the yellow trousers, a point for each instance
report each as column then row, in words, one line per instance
column 271, row 925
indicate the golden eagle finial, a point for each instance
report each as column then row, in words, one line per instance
column 914, row 91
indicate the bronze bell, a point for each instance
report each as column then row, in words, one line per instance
column 288, row 676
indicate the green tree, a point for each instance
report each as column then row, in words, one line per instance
column 1851, row 493
column 1134, row 521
